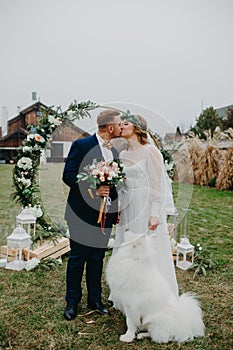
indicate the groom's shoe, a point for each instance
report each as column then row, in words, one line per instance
column 70, row 312
column 99, row 307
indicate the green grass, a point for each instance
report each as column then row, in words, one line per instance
column 32, row 303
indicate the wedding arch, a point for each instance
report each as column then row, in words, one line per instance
column 25, row 172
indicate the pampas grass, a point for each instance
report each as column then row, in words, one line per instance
column 183, row 168
column 203, row 163
column 208, row 165
column 225, row 178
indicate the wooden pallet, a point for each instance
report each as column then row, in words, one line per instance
column 11, row 253
column 47, row 249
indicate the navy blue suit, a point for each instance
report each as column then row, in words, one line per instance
column 87, row 241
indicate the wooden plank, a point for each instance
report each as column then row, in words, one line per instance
column 3, row 251
column 40, row 251
column 47, row 249
column 174, row 254
column 59, row 253
column 10, row 258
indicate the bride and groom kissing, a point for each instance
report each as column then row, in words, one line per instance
column 140, row 273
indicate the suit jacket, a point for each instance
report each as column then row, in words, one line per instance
column 82, row 210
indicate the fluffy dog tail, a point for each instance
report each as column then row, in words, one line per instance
column 181, row 321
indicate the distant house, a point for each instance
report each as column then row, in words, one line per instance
column 173, row 137
column 222, row 112
column 56, row 150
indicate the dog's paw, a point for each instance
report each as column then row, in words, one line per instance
column 127, row 337
column 142, row 335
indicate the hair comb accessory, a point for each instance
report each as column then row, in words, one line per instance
column 130, row 118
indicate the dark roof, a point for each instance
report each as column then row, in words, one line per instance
column 33, row 107
column 78, row 129
column 16, row 131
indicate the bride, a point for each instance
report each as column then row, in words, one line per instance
column 140, row 272
column 147, row 194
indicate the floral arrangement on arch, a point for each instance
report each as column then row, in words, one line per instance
column 25, row 172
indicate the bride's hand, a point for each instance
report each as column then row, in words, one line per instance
column 103, row 191
column 153, row 223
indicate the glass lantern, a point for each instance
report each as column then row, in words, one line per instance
column 185, row 225
column 185, row 250
column 18, row 240
column 172, row 223
column 25, row 218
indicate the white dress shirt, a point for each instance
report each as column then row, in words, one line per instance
column 107, row 153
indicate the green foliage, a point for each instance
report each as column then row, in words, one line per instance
column 208, row 120
column 212, row 182
column 49, row 264
column 203, row 260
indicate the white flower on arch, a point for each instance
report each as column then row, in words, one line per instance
column 25, row 163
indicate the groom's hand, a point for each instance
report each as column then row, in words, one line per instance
column 153, row 223
column 103, row 191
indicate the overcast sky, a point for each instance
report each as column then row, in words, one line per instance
column 171, row 57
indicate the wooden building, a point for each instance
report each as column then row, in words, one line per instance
column 56, row 151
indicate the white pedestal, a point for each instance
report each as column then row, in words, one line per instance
column 16, row 265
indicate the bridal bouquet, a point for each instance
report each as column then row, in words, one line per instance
column 102, row 174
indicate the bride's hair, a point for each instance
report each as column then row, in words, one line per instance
column 141, row 130
column 140, row 126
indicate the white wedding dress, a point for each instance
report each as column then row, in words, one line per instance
column 147, row 193
column 140, row 272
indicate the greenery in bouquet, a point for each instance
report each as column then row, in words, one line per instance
column 103, row 174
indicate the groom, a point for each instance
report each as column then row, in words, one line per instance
column 87, row 241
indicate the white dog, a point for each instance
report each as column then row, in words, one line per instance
column 139, row 290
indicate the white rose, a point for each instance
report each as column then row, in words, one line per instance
column 30, row 137
column 24, row 163
column 54, row 121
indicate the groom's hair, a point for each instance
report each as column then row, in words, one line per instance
column 106, row 117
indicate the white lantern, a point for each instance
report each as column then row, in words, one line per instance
column 18, row 240
column 26, row 218
column 184, row 255
column 185, row 250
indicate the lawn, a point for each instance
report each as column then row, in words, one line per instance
column 32, row 303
